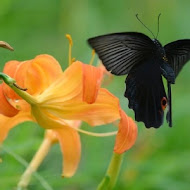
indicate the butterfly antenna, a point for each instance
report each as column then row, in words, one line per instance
column 145, row 26
column 158, row 25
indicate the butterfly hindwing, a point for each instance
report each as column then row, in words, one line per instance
column 178, row 53
column 169, row 113
column 119, row 52
column 146, row 94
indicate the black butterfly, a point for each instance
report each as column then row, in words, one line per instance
column 145, row 61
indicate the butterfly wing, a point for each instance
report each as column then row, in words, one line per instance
column 169, row 113
column 119, row 52
column 178, row 54
column 146, row 94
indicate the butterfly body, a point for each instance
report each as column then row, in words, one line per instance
column 144, row 61
column 160, row 49
column 166, row 69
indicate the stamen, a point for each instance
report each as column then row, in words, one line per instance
column 92, row 58
column 70, row 47
column 108, row 134
column 73, row 60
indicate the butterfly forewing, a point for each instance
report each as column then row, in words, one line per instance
column 119, row 52
column 178, row 54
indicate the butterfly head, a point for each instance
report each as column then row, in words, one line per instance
column 160, row 50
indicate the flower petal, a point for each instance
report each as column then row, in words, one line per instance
column 35, row 75
column 69, row 141
column 92, row 77
column 104, row 110
column 16, row 70
column 66, row 87
column 8, row 123
column 68, row 138
column 42, row 71
column 10, row 69
column 64, row 99
column 107, row 76
column 5, row 107
column 127, row 134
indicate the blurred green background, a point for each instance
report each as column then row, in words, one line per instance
column 160, row 158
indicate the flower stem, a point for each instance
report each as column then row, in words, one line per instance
column 34, row 164
column 110, row 178
column 23, row 162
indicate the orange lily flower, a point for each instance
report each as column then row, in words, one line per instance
column 55, row 99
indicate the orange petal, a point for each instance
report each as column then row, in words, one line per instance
column 17, row 70
column 92, row 77
column 8, row 123
column 20, row 74
column 103, row 111
column 42, row 71
column 5, row 107
column 107, row 76
column 127, row 134
column 10, row 69
column 64, row 99
column 35, row 75
column 69, row 140
column 66, row 87
column 50, row 66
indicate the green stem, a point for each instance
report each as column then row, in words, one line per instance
column 34, row 164
column 110, row 178
column 12, row 84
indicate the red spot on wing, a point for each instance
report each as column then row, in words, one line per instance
column 163, row 103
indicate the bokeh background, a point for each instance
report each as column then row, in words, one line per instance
column 160, row 158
